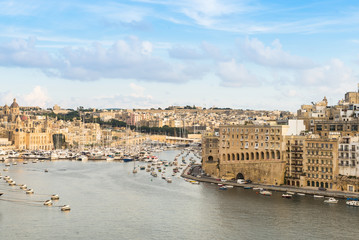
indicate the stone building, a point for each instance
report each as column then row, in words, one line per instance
column 348, row 178
column 252, row 152
column 210, row 155
column 294, row 172
column 320, row 162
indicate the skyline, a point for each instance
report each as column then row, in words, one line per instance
column 154, row 53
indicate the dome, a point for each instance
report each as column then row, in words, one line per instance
column 14, row 104
column 6, row 106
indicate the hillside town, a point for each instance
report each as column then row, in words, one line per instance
column 317, row 147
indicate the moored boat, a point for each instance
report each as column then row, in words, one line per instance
column 286, row 195
column 266, row 193
column 331, row 200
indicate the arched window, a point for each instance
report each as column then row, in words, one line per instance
column 237, row 156
column 247, row 156
column 257, row 155
column 252, row 156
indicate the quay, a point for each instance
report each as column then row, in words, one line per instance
column 335, row 194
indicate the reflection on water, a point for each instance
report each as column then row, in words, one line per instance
column 109, row 202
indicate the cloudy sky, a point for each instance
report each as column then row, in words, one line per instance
column 155, row 53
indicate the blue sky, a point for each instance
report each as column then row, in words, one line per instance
column 155, row 53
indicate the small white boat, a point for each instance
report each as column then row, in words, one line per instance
column 318, row 196
column 266, row 193
column 48, row 203
column 134, row 170
column 194, row 182
column 7, row 164
column 5, row 169
column 257, row 188
column 292, row 193
column 30, row 191
column 13, row 183
column 169, row 180
column 286, row 195
column 55, row 197
column 331, row 200
column 14, row 163
column 23, row 186
column 65, row 208
column 301, row 194
column 229, row 186
column 24, row 162
column 352, row 203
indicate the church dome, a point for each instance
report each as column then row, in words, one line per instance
column 14, row 104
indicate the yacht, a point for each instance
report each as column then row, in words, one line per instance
column 30, row 191
column 266, row 193
column 82, row 158
column 48, row 203
column 331, row 200
column 65, row 208
column 54, row 156
column 55, row 197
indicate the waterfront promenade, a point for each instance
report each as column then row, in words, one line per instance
column 328, row 193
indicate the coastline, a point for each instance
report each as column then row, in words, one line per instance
column 328, row 193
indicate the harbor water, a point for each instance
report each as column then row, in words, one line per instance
column 108, row 201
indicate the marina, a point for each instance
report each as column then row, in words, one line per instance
column 101, row 199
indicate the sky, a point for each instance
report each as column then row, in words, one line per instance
column 262, row 55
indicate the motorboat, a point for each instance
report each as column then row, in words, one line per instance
column 134, row 170
column 258, row 188
column 82, row 158
column 65, row 208
column 301, row 194
column 46, row 170
column 229, row 186
column 48, row 203
column 194, row 182
column 266, row 193
column 5, row 169
column 352, row 203
column 55, row 197
column 292, row 193
column 1, row 193
column 7, row 164
column 169, row 180
column 13, row 183
column 142, row 167
column 14, row 163
column 24, row 162
column 30, row 191
column 331, row 200
column 286, row 195
column 223, row 188
column 23, row 186
column 318, row 196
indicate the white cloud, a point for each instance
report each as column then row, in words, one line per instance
column 255, row 51
column 130, row 58
column 37, row 97
column 236, row 75
column 332, row 74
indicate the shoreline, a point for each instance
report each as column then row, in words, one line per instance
column 328, row 193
